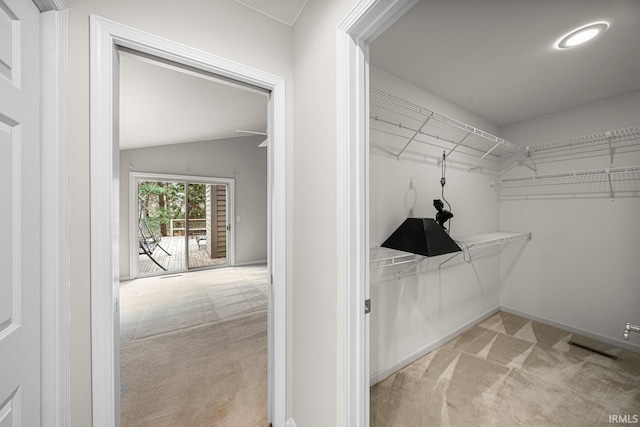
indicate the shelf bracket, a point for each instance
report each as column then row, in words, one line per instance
column 610, row 154
column 517, row 160
column 495, row 185
column 473, row 166
column 529, row 156
column 454, row 148
column 532, row 167
column 414, row 136
column 404, row 272
column 449, row 259
column 610, row 184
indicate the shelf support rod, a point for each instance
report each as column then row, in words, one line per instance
column 454, row 148
column 473, row 166
column 404, row 272
column 610, row 184
column 449, row 259
column 529, row 156
column 517, row 160
column 610, row 154
column 496, row 187
column 533, row 168
column 414, row 136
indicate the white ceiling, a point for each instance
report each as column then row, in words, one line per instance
column 162, row 105
column 496, row 59
column 285, row 11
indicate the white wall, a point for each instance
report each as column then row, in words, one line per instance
column 238, row 158
column 414, row 314
column 221, row 27
column 581, row 269
column 317, row 321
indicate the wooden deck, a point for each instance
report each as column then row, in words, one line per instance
column 198, row 256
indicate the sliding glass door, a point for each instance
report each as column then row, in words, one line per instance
column 160, row 214
column 182, row 224
column 207, row 225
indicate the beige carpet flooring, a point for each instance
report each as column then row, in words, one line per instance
column 511, row 371
column 194, row 349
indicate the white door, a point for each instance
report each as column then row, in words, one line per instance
column 19, row 214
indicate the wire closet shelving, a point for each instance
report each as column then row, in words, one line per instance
column 384, row 257
column 610, row 140
column 612, row 181
column 393, row 115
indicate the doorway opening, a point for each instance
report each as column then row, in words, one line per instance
column 108, row 38
column 179, row 227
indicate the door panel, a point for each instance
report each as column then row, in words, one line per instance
column 8, row 151
column 20, row 214
column 161, row 227
column 207, row 208
column 8, row 41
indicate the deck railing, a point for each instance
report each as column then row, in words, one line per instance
column 192, row 230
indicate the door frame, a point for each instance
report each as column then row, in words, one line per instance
column 136, row 177
column 54, row 268
column 106, row 36
column 364, row 23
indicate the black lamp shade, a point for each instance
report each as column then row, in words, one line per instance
column 422, row 236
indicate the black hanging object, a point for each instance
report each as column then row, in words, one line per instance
column 443, row 215
column 422, row 236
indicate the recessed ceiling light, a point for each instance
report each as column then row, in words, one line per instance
column 581, row 35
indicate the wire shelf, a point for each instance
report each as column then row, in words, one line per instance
column 490, row 239
column 396, row 116
column 611, row 142
column 618, row 137
column 612, row 182
column 384, row 257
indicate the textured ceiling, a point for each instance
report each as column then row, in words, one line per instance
column 495, row 58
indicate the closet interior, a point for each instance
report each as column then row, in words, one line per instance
column 543, row 209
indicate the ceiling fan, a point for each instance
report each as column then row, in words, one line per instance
column 253, row 132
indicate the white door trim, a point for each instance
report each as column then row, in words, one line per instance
column 136, row 177
column 54, row 270
column 106, row 36
column 361, row 26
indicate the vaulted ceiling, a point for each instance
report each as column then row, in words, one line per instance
column 162, row 105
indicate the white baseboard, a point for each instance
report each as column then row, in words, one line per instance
column 612, row 341
column 290, row 423
column 379, row 376
column 242, row 264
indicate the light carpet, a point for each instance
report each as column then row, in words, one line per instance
column 511, row 371
column 194, row 349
